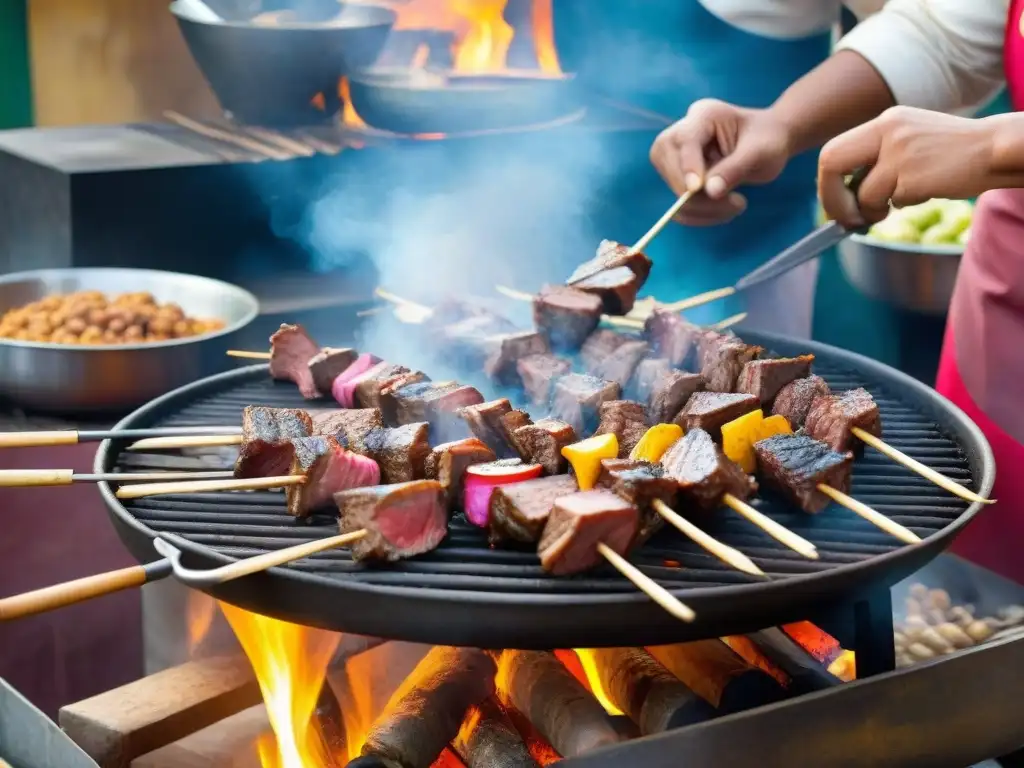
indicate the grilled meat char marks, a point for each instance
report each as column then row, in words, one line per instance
column 832, row 417
column 368, row 391
column 485, row 421
column 511, row 423
column 402, row 519
column 501, row 366
column 538, row 373
column 519, row 511
column 436, row 404
column 710, row 410
column 672, row 337
column 640, row 483
column 267, row 433
column 612, row 255
column 796, row 464
column 349, row 425
column 626, row 420
column 565, row 316
column 578, row 523
column 543, row 441
column 577, row 397
column 724, row 362
column 671, row 394
column 795, row 399
column 291, row 349
column 328, row 468
column 401, row 452
column 764, row 378
column 447, row 463
column 617, row 289
column 704, row 474
column 326, row 364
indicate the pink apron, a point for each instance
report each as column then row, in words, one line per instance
column 982, row 364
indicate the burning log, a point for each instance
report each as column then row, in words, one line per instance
column 642, row 688
column 488, row 739
column 561, row 709
column 424, row 715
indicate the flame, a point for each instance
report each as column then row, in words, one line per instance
column 290, row 662
column 544, row 37
column 593, row 680
column 199, row 613
column 358, row 710
column 845, row 667
column 484, row 48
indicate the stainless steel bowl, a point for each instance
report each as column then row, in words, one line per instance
column 918, row 278
column 73, row 378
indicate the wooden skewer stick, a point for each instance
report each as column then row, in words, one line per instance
column 916, row 466
column 875, row 518
column 205, row 486
column 73, row 436
column 248, row 354
column 780, row 533
column 725, row 553
column 647, row 585
column 619, row 320
column 729, row 322
column 23, row 478
column 197, row 441
column 699, row 300
column 652, row 233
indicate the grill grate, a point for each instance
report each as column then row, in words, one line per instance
column 464, row 568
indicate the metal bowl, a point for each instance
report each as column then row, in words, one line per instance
column 918, row 278
column 75, row 378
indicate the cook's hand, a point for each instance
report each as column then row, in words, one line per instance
column 719, row 146
column 914, row 155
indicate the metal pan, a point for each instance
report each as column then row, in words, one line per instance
column 269, row 75
column 422, row 101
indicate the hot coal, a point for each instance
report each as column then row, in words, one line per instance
column 401, row 452
column 577, row 398
column 501, row 366
column 488, row 739
column 764, row 378
column 326, row 364
column 402, row 519
column 626, row 420
column 538, row 373
column 672, row 337
column 543, row 441
column 328, row 468
column 723, row 363
column 795, row 399
column 349, row 425
column 519, row 511
column 578, row 523
column 832, row 418
column 565, row 316
column 611, row 255
column 710, row 410
column 485, row 421
column 447, row 464
column 670, row 395
column 291, row 349
column 267, row 433
column 796, row 464
column 640, row 483
column 617, row 289
column 703, row 472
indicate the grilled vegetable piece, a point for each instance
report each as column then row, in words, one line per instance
column 519, row 511
column 626, row 420
column 327, row 364
column 655, row 442
column 577, row 399
column 796, row 464
column 617, row 289
column 724, row 362
column 402, row 520
column 611, row 255
column 764, row 378
column 349, row 425
column 703, row 472
column 710, row 410
column 481, row 481
column 795, row 399
column 774, row 425
column 291, row 349
column 672, row 337
column 578, row 523
column 448, row 462
column 328, row 468
column 538, row 373
column 640, row 483
column 586, row 455
column 501, row 366
column 267, row 433
column 543, row 441
column 832, row 418
column 401, row 452
column 340, row 389
column 739, row 436
column 565, row 316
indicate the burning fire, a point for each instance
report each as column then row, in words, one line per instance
column 290, row 662
column 199, row 612
column 593, row 680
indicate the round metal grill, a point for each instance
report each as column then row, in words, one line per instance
column 465, row 593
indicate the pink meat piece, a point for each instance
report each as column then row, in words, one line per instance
column 291, row 349
column 344, row 387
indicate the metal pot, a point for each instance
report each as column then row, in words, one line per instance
column 72, row 379
column 918, row 278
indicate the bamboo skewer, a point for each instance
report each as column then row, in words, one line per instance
column 24, row 478
column 725, row 553
column 647, row 585
column 248, row 354
column 699, row 300
column 206, row 486
column 778, row 532
column 198, row 441
column 872, row 516
column 73, row 436
column 652, row 233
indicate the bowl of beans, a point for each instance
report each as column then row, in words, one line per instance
column 109, row 339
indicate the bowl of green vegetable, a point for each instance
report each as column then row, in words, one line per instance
column 910, row 259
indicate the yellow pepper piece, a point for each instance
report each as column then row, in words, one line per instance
column 655, row 442
column 739, row 436
column 585, row 457
column 774, row 425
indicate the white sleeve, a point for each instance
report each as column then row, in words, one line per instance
column 935, row 54
column 777, row 19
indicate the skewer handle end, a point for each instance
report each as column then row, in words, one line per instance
column 31, row 439
column 23, row 478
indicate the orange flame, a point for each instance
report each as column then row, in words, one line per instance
column 484, row 48
column 199, row 613
column 745, row 648
column 290, row 662
column 593, row 680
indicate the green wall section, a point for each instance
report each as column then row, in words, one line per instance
column 15, row 83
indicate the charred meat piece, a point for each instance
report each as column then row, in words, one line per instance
column 402, row 519
column 328, row 468
column 519, row 511
column 424, row 715
column 578, row 523
column 511, row 423
column 291, row 349
column 708, row 342
column 670, row 394
column 672, row 337
column 401, row 451
column 484, row 421
column 796, row 464
column 764, row 378
column 832, row 418
column 565, row 316
column 447, row 464
column 646, row 376
column 794, row 400
column 577, row 397
column 723, row 364
column 538, row 373
column 639, row 483
column 267, row 433
column 620, row 364
column 617, row 289
column 469, row 342
column 599, row 345
column 349, row 425
column 543, row 441
column 368, row 391
column 626, row 420
column 326, row 364
column 508, row 350
column 703, row 472
column 489, row 738
column 710, row 410
column 611, row 255
column 437, row 404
